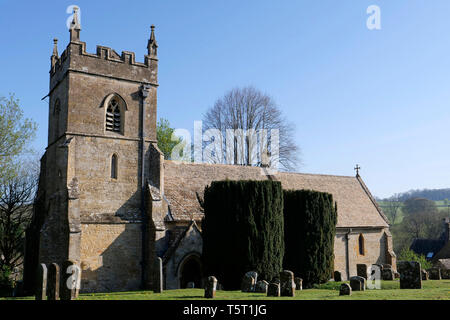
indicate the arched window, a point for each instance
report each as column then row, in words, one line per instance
column 361, row 244
column 114, row 166
column 115, row 113
column 56, row 111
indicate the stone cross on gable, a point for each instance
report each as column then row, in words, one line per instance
column 357, row 168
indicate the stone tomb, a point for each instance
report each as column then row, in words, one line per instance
column 273, row 290
column 53, row 282
column 358, row 283
column 287, row 284
column 361, row 270
column 434, row 274
column 41, row 282
column 424, row 274
column 410, row 274
column 298, row 283
column 210, row 288
column 261, row 286
column 337, row 276
column 345, row 290
column 249, row 281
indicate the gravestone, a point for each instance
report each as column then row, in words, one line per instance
column 287, row 284
column 41, row 282
column 53, row 282
column 410, row 275
column 387, row 274
column 298, row 283
column 275, row 280
column 434, row 274
column 358, row 283
column 337, row 276
column 345, row 289
column 261, row 286
column 190, row 285
column 445, row 273
column 396, row 275
column 387, row 266
column 273, row 290
column 249, row 281
column 158, row 280
column 70, row 280
column 424, row 274
column 361, row 270
column 210, row 289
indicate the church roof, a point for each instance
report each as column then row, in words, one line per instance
column 183, row 181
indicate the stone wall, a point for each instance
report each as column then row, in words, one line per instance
column 110, row 257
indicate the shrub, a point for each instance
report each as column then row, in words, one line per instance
column 310, row 219
column 6, row 283
column 409, row 255
column 243, row 230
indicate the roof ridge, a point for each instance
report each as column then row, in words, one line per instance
column 255, row 168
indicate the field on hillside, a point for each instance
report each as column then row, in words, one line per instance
column 390, row 290
column 440, row 205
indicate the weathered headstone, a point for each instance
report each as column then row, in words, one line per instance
column 424, row 274
column 358, row 283
column 273, row 290
column 298, row 283
column 445, row 273
column 410, row 276
column 396, row 275
column 275, row 280
column 345, row 290
column 158, row 276
column 190, row 285
column 53, row 282
column 287, row 284
column 361, row 270
column 70, row 280
column 261, row 286
column 434, row 274
column 210, row 289
column 387, row 274
column 41, row 282
column 381, row 266
column 249, row 281
column 337, row 276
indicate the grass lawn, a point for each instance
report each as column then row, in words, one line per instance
column 390, row 290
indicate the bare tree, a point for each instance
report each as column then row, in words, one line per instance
column 16, row 198
column 392, row 207
column 258, row 131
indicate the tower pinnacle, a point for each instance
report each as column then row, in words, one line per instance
column 75, row 26
column 152, row 46
column 55, row 47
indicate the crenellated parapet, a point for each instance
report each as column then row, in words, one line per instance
column 105, row 62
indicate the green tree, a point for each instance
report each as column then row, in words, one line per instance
column 243, row 230
column 310, row 219
column 409, row 255
column 15, row 134
column 164, row 135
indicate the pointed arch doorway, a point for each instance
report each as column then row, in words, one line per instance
column 190, row 270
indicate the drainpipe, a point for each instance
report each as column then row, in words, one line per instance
column 347, row 252
column 144, row 263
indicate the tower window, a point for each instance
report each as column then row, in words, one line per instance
column 361, row 244
column 114, row 166
column 113, row 116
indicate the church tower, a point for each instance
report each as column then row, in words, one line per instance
column 100, row 160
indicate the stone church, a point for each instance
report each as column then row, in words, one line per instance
column 108, row 200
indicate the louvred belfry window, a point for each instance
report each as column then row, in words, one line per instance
column 113, row 116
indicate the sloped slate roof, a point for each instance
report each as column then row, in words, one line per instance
column 356, row 207
column 425, row 246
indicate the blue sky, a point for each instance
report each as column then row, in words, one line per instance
column 379, row 98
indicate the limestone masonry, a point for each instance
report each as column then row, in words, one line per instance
column 108, row 200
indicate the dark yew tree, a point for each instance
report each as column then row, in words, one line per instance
column 243, row 230
column 310, row 219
